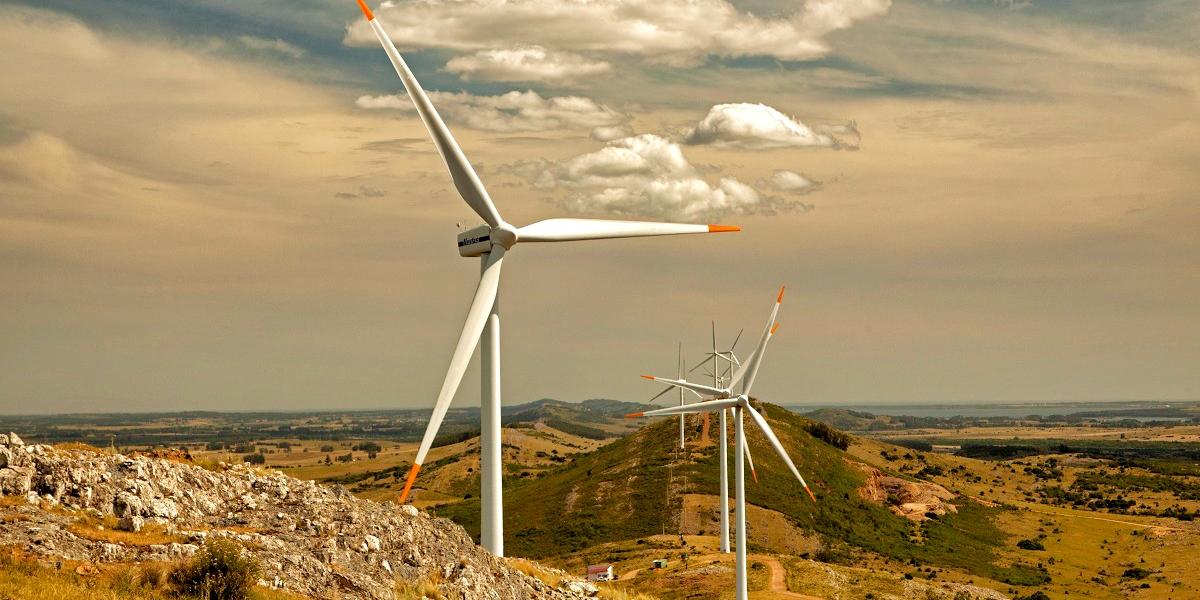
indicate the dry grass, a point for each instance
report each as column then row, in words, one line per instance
column 104, row 530
column 22, row 578
column 426, row 587
column 81, row 447
column 536, row 571
column 611, row 591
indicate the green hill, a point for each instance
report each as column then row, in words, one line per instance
column 620, row 492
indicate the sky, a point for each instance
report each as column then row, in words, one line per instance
column 229, row 205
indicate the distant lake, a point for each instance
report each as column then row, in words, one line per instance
column 1004, row 410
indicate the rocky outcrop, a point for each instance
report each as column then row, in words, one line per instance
column 913, row 500
column 317, row 541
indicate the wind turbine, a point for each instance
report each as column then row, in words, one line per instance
column 678, row 374
column 723, row 399
column 490, row 242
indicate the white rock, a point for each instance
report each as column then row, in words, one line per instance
column 14, row 440
column 132, row 523
column 373, row 543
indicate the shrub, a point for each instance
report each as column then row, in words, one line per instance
column 256, row 459
column 1135, row 573
column 828, row 435
column 219, row 571
column 1030, row 545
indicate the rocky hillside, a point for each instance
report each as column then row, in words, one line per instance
column 64, row 504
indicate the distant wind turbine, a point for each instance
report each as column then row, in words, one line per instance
column 723, row 399
column 490, row 242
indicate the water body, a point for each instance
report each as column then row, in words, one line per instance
column 1009, row 410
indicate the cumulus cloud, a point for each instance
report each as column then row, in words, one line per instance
column 791, row 182
column 276, row 46
column 760, row 127
column 665, row 31
column 526, row 63
column 511, row 112
column 646, row 176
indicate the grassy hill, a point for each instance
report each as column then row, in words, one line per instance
column 632, row 488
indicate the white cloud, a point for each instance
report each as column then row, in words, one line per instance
column 759, row 127
column 608, row 133
column 791, row 181
column 646, row 176
column 526, row 63
column 666, row 31
column 276, row 46
column 514, row 111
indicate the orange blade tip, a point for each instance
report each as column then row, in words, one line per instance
column 412, row 477
column 366, row 10
column 754, row 474
column 810, row 494
column 775, row 328
column 723, row 228
column 779, row 298
column 634, row 415
column 651, row 377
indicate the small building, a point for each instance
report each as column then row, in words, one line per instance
column 660, row 563
column 600, row 573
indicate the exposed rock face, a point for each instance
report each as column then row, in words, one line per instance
column 317, row 541
column 909, row 499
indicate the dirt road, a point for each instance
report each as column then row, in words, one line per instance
column 778, row 581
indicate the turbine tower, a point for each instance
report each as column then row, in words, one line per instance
column 490, row 242
column 723, row 399
column 723, row 453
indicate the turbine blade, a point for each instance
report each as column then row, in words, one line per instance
column 660, row 394
column 711, row 391
column 569, row 230
column 687, row 409
column 477, row 316
column 756, row 357
column 749, row 459
column 765, row 427
column 679, row 372
column 466, row 181
column 703, row 362
column 733, row 346
column 758, row 362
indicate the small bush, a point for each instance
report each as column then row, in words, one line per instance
column 219, row 571
column 1135, row 573
column 1030, row 545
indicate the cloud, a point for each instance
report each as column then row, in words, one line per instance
column 664, row 31
column 791, row 181
column 514, row 111
column 526, row 63
column 363, row 192
column 276, row 46
column 759, row 127
column 645, row 176
column 608, row 133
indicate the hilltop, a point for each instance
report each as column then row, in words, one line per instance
column 96, row 509
column 642, row 485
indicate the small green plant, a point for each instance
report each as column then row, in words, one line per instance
column 219, row 571
column 1031, row 545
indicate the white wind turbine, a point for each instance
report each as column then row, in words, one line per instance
column 678, row 374
column 490, row 242
column 723, row 399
